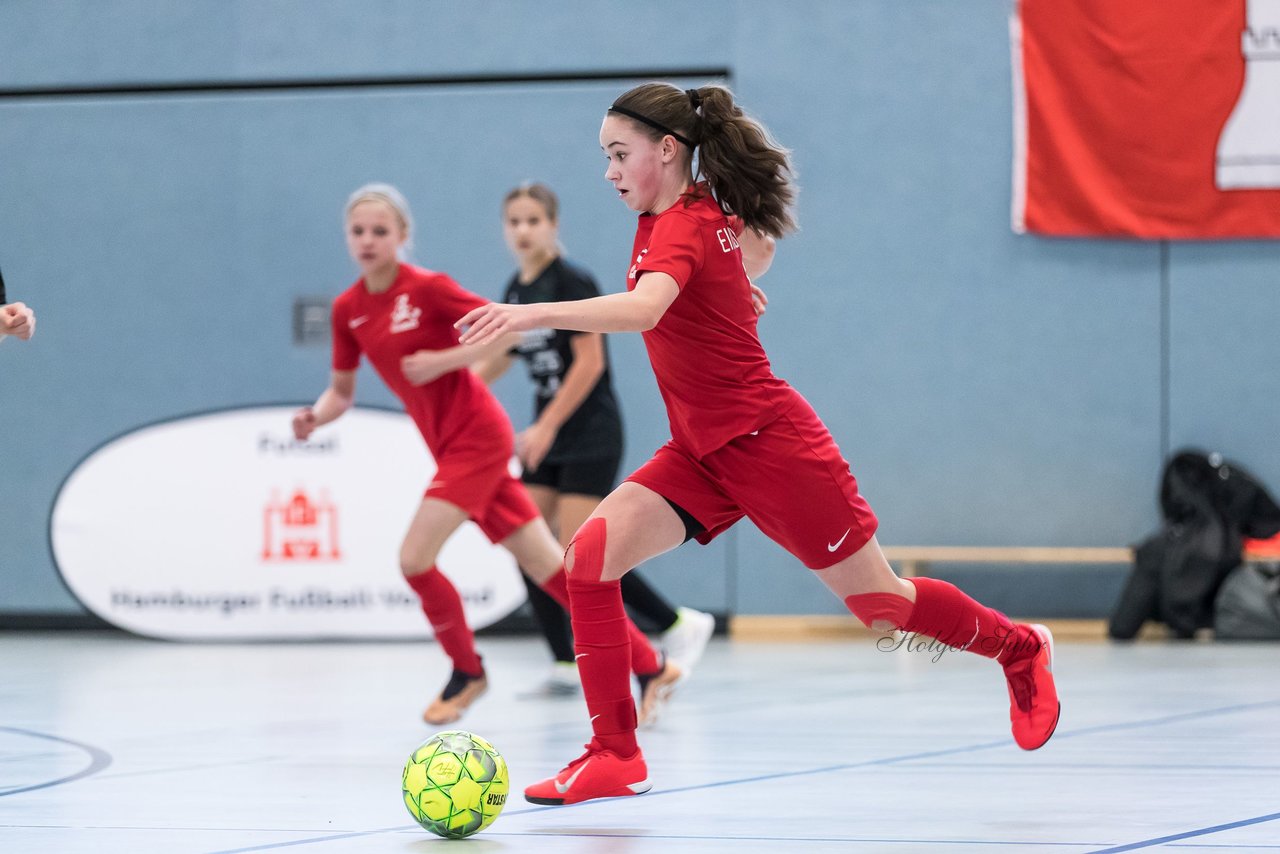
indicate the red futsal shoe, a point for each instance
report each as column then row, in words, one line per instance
column 597, row 773
column 1033, row 698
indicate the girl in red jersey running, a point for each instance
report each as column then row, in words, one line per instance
column 744, row 443
column 401, row 317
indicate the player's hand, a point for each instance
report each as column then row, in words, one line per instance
column 489, row 322
column 421, row 367
column 758, row 300
column 17, row 320
column 533, row 445
column 304, row 423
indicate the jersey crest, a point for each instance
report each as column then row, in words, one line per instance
column 404, row 316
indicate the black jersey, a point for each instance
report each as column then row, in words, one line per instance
column 594, row 430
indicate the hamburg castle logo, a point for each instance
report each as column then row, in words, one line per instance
column 300, row 528
column 404, row 316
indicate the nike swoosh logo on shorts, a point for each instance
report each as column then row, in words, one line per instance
column 564, row 787
column 833, row 546
column 352, row 324
column 581, row 655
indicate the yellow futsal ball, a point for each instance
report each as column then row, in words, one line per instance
column 455, row 784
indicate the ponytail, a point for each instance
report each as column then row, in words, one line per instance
column 746, row 171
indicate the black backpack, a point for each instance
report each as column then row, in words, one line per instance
column 1208, row 505
column 1248, row 604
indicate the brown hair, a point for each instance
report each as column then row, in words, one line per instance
column 747, row 172
column 540, row 193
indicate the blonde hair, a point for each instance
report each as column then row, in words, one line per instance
column 392, row 198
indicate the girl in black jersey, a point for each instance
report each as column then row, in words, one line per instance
column 572, row 450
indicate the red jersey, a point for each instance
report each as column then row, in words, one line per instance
column 417, row 313
column 711, row 368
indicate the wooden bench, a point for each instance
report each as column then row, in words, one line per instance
column 916, row 560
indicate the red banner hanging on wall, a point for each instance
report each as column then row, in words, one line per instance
column 1147, row 118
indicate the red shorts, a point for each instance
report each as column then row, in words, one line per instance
column 480, row 482
column 788, row 477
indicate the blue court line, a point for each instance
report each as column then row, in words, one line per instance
column 184, row 768
column 683, row 838
column 1185, row 716
column 317, row 839
column 845, row 839
column 1112, row 766
column 98, row 759
column 1150, row 722
column 153, row 827
column 1204, row 831
column 1240, row 845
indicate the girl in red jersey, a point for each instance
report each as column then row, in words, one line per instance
column 401, row 317
column 572, row 450
column 744, row 443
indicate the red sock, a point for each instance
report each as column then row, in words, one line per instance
column 443, row 607
column 604, row 654
column 942, row 611
column 644, row 658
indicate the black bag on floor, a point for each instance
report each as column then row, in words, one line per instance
column 1248, row 606
column 1208, row 506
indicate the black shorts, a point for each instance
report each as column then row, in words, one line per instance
column 578, row 477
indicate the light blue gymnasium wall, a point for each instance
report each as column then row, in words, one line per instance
column 989, row 389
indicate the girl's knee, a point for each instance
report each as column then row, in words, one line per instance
column 584, row 559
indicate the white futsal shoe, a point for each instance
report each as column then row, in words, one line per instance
column 686, row 640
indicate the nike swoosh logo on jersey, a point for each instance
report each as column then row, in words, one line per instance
column 564, row 787
column 833, row 546
column 352, row 324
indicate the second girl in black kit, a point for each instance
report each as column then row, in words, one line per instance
column 572, row 450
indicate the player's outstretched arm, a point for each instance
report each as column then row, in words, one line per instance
column 18, row 320
column 491, row 369
column 637, row 310
column 424, row 366
column 332, row 403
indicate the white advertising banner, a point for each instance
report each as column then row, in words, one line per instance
column 223, row 526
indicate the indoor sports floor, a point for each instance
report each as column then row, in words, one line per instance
column 114, row 744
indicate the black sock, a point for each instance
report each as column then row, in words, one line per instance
column 552, row 620
column 646, row 602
